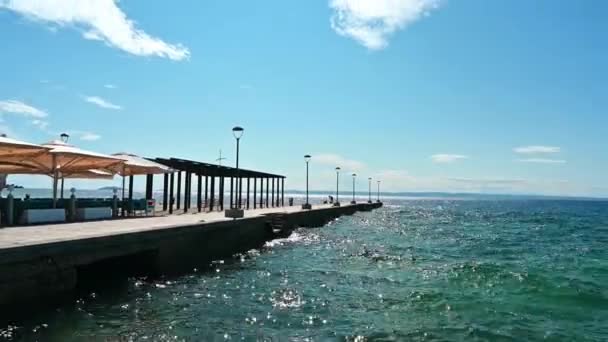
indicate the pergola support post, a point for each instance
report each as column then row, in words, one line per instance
column 199, row 195
column 171, row 193
column 165, row 190
column 186, row 189
column 149, row 186
column 206, row 191
column 179, row 190
column 222, row 193
column 272, row 193
column 130, row 207
column 247, row 193
column 267, row 190
column 282, row 192
column 212, row 193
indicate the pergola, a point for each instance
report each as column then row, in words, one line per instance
column 274, row 189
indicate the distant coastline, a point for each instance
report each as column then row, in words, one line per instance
column 15, row 186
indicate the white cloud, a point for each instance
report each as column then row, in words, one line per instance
column 334, row 160
column 101, row 102
column 99, row 20
column 41, row 124
column 87, row 136
column 371, row 22
column 109, row 86
column 542, row 161
column 447, row 158
column 536, row 149
column 18, row 107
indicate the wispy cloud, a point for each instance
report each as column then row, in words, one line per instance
column 99, row 20
column 96, row 100
column 536, row 149
column 88, row 136
column 109, row 86
column 542, row 161
column 20, row 108
column 334, row 160
column 447, row 158
column 371, row 22
column 41, row 124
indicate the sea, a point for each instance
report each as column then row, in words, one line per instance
column 424, row 269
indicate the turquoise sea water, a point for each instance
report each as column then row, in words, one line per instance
column 422, row 270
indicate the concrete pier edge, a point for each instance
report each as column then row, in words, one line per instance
column 42, row 271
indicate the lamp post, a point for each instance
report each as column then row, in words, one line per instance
column 238, row 133
column 306, row 205
column 353, row 201
column 64, row 138
column 370, row 190
column 337, row 202
column 378, row 192
column 237, row 212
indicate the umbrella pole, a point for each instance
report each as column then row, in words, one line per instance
column 55, row 176
column 62, row 180
column 123, row 195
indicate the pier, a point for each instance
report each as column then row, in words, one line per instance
column 39, row 262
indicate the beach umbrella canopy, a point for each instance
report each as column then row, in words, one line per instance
column 15, row 156
column 90, row 174
column 11, row 147
column 70, row 159
column 63, row 159
column 136, row 165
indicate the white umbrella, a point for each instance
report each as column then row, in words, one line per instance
column 66, row 159
column 15, row 155
column 88, row 174
column 136, row 165
column 91, row 174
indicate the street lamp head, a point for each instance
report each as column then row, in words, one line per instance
column 237, row 131
column 370, row 178
column 307, row 158
column 338, row 168
column 64, row 137
column 354, row 175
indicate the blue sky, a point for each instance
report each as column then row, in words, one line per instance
column 426, row 95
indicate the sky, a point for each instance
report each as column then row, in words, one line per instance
column 424, row 95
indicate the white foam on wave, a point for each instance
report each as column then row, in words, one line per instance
column 295, row 237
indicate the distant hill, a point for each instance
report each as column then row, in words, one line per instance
column 106, row 188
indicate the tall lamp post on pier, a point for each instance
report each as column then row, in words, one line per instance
column 353, row 201
column 378, row 192
column 306, row 205
column 64, row 138
column 337, row 202
column 370, row 190
column 237, row 212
